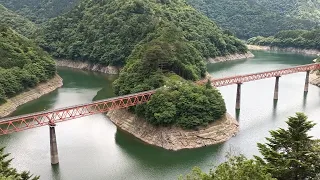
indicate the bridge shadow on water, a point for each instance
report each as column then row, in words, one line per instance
column 152, row 156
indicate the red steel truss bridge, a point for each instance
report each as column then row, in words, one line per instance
column 51, row 117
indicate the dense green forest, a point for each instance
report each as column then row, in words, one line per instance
column 39, row 11
column 18, row 23
column 22, row 63
column 289, row 154
column 302, row 39
column 249, row 18
column 106, row 32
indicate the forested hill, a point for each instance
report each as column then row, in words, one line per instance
column 16, row 22
column 301, row 39
column 249, row 18
column 39, row 10
column 22, row 64
column 106, row 32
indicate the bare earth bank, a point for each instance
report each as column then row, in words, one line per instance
column 315, row 78
column 88, row 66
column 175, row 138
column 32, row 94
column 293, row 50
column 231, row 57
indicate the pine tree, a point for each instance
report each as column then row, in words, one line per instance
column 292, row 154
column 9, row 173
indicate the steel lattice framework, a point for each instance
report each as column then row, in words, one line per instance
column 262, row 75
column 28, row 121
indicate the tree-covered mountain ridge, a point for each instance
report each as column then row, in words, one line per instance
column 39, row 11
column 249, row 18
column 301, row 39
column 106, row 32
column 18, row 23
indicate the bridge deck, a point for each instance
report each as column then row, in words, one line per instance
column 28, row 121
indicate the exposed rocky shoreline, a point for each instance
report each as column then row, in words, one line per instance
column 175, row 138
column 115, row 70
column 88, row 66
column 231, row 57
column 32, row 94
column 293, row 50
column 315, row 78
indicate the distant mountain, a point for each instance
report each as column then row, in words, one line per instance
column 249, row 18
column 16, row 22
column 39, row 10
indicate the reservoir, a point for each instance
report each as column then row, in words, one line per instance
column 93, row 148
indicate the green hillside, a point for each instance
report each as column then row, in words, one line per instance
column 249, row 18
column 18, row 23
column 107, row 31
column 301, row 39
column 22, row 64
column 39, row 11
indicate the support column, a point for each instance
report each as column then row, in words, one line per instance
column 276, row 89
column 306, row 85
column 238, row 98
column 53, row 145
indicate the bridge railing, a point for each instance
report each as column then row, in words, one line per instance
column 262, row 75
column 28, row 121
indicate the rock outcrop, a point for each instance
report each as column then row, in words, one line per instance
column 175, row 138
column 315, row 78
column 88, row 66
column 32, row 94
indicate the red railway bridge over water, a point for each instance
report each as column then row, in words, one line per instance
column 51, row 117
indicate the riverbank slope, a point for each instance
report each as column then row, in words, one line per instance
column 175, row 138
column 315, row 78
column 292, row 50
column 116, row 70
column 87, row 66
column 32, row 94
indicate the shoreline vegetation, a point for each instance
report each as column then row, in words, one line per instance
column 29, row 95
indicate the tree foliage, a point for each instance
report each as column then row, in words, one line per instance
column 9, row 173
column 107, row 32
column 294, row 38
column 22, row 64
column 18, row 23
column 291, row 154
column 249, row 18
column 39, row 11
column 184, row 104
column 236, row 168
column 288, row 155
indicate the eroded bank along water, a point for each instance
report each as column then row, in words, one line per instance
column 92, row 148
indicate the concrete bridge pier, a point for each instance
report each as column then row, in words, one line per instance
column 238, row 97
column 53, row 144
column 276, row 89
column 306, row 85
